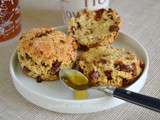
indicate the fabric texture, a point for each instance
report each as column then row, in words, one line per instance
column 141, row 21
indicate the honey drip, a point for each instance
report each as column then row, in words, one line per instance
column 80, row 94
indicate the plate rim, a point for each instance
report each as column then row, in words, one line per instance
column 68, row 101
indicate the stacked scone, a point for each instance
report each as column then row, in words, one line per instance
column 94, row 32
column 95, row 28
column 43, row 52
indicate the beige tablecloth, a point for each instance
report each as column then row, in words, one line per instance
column 141, row 21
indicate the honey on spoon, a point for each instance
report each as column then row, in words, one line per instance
column 76, row 81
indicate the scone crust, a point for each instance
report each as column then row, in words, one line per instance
column 110, row 66
column 95, row 28
column 42, row 52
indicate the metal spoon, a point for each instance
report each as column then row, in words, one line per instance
column 74, row 79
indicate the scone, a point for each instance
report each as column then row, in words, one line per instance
column 42, row 52
column 95, row 28
column 110, row 66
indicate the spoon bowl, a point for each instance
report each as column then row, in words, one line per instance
column 74, row 79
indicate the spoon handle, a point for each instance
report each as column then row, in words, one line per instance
column 138, row 99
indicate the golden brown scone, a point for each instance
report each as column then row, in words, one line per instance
column 95, row 28
column 110, row 66
column 42, row 52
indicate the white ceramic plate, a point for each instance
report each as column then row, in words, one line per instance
column 56, row 97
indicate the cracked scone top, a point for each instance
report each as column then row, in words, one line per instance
column 110, row 66
column 94, row 28
column 42, row 52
